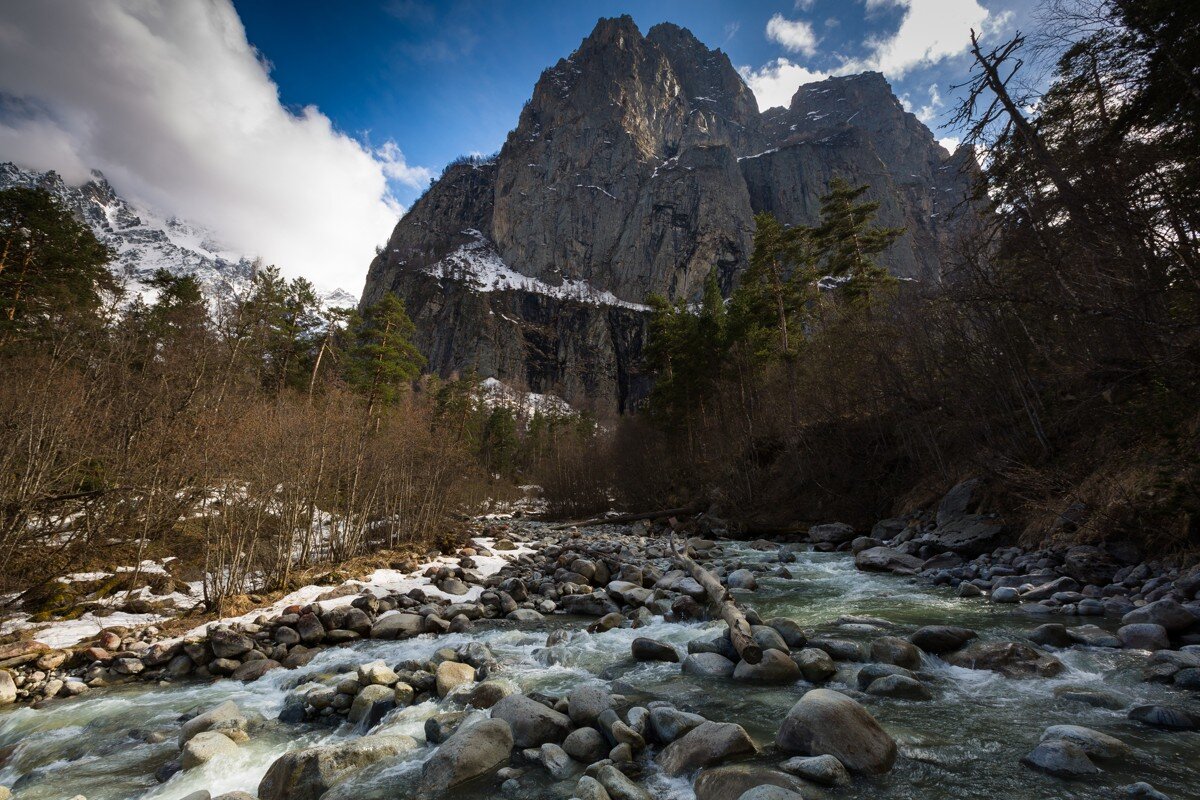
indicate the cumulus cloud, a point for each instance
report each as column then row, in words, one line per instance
column 775, row 82
column 796, row 36
column 179, row 111
column 927, row 113
column 931, row 31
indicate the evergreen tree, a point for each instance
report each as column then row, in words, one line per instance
column 847, row 242
column 773, row 289
column 52, row 267
column 383, row 358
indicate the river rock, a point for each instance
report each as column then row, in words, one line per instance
column 1011, row 659
column 666, row 724
column 768, row 638
column 585, row 704
column 588, row 788
column 730, row 782
column 942, row 639
column 815, row 665
column 708, row 665
column 1090, row 697
column 971, row 535
column 309, row 773
column 451, row 675
column 834, row 533
column 370, row 705
column 1169, row 717
column 586, row 745
column 1143, row 791
column 376, row 672
column 1144, row 636
column 894, row 650
column 471, row 752
column 1051, row 634
column 885, row 559
column 558, row 762
column 824, row 722
column 397, row 625
column 204, row 747
column 8, row 688
column 790, row 631
column 1060, row 758
column 618, row 786
column 899, row 687
column 441, row 727
column 228, row 643
column 741, row 579
column 1166, row 612
column 1093, row 636
column 225, row 717
column 704, row 746
column 596, row 604
column 776, row 667
column 644, row 649
column 1094, row 743
column 531, row 723
column 768, row 792
column 253, row 670
column 824, row 770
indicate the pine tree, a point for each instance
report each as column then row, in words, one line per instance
column 52, row 267
column 847, row 241
column 383, row 358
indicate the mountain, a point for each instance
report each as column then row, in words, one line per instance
column 637, row 167
column 145, row 241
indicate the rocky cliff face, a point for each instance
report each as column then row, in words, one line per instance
column 636, row 168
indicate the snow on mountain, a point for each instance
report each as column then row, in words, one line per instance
column 145, row 241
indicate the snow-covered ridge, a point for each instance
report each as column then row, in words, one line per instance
column 478, row 265
column 145, row 241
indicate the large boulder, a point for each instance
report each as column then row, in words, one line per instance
column 708, row 665
column 1011, row 659
column 226, row 717
column 596, row 604
column 1144, row 636
column 815, row 665
column 894, row 650
column 834, row 533
column 730, row 782
column 204, row 747
column 451, row 675
column 644, row 649
column 531, row 723
column 704, row 746
column 1088, row 564
column 825, row 722
column 472, row 751
column 585, row 704
column 397, row 625
column 370, row 705
column 942, row 639
column 309, row 773
column 885, row 559
column 8, row 688
column 1094, row 743
column 776, row 667
column 1060, row 758
column 961, row 500
column 972, row 535
column 228, row 643
column 667, row 724
column 1166, row 612
column 741, row 579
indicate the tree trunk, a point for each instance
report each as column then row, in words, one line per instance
column 739, row 628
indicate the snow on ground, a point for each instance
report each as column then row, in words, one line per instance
column 66, row 633
column 477, row 264
column 496, row 394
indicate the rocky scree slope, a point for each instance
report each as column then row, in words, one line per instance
column 637, row 167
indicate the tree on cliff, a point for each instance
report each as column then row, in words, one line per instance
column 382, row 358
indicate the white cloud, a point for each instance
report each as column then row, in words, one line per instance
column 775, row 82
column 796, row 36
column 179, row 111
column 949, row 142
column 803, row 5
column 931, row 31
column 927, row 113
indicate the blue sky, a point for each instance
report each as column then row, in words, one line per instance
column 447, row 78
column 299, row 130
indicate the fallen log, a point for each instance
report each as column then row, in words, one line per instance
column 623, row 518
column 739, row 628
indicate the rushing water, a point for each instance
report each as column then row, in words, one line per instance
column 966, row 743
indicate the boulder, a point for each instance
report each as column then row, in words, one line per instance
column 596, row 604
column 776, row 667
column 1094, row 743
column 942, row 639
column 370, row 705
column 704, row 746
column 253, row 670
column 228, row 643
column 644, row 649
column 8, row 688
column 790, row 631
column 1166, row 612
column 558, row 762
column 962, row 499
column 708, row 665
column 1168, row 717
column 451, row 675
column 225, row 717
column 824, row 722
column 204, row 747
column 815, row 665
column 586, row 745
column 531, row 724
column 972, row 535
column 1144, row 636
column 309, row 773
column 618, row 786
column 824, row 770
column 730, row 782
column 488, row 693
column 768, row 638
column 1061, row 759
column 1088, row 564
column 1011, row 659
column 741, row 579
column 397, row 625
column 834, row 533
column 885, row 559
column 666, row 724
column 769, row 792
column 585, row 704
column 894, row 650
column 471, row 752
column 899, row 687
